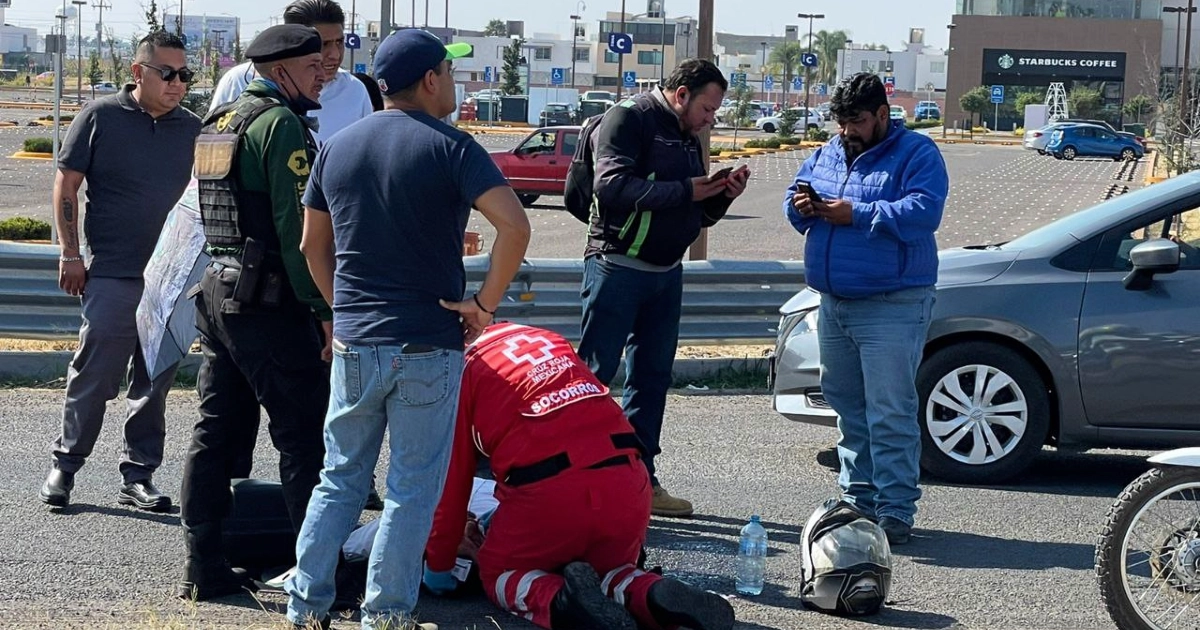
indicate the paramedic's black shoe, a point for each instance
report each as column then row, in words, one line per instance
column 674, row 603
column 144, row 496
column 56, row 492
column 581, row 605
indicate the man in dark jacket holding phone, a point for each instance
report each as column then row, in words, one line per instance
column 651, row 200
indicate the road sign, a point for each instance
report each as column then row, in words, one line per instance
column 890, row 81
column 557, row 75
column 822, row 89
column 360, row 68
column 808, row 60
column 798, row 84
column 997, row 94
column 488, row 76
column 889, row 89
column 620, row 43
column 353, row 41
column 738, row 78
column 769, row 83
column 629, row 79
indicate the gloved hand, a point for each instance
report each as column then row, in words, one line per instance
column 439, row 582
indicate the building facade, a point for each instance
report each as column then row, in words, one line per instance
column 659, row 44
column 1114, row 47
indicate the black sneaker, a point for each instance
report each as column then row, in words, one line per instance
column 898, row 532
column 374, row 502
column 674, row 603
column 581, row 604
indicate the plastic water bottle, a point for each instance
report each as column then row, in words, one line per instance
column 752, row 558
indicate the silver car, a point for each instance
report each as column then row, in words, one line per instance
column 1082, row 333
column 1037, row 139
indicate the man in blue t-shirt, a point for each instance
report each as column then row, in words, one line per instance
column 385, row 215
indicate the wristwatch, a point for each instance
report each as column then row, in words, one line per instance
column 70, row 259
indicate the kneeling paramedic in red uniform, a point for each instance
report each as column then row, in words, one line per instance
column 562, row 547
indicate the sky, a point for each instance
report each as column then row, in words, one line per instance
column 874, row 21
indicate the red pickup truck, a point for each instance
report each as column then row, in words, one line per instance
column 538, row 165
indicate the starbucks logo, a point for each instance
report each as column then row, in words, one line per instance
column 1006, row 62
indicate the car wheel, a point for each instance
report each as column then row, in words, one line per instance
column 768, row 127
column 985, row 413
column 1068, row 153
column 1041, row 152
column 1128, row 154
column 527, row 200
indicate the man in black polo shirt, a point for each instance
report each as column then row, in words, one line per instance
column 134, row 148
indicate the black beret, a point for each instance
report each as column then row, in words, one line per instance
column 284, row 41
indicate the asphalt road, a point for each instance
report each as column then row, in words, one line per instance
column 1015, row 556
column 996, row 193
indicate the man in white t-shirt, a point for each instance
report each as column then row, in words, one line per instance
column 343, row 100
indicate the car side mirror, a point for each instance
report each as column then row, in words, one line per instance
column 1155, row 256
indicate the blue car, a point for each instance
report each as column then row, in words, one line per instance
column 1067, row 143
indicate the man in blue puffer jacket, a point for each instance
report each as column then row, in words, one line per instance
column 870, row 251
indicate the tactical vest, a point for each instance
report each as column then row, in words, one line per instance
column 231, row 214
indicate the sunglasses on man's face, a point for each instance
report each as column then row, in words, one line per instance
column 168, row 74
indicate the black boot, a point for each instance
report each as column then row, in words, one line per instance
column 206, row 575
column 56, row 492
column 581, row 605
column 674, row 603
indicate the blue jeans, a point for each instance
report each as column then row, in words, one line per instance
column 870, row 350
column 414, row 396
column 636, row 312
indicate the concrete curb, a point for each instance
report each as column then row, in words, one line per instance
column 46, row 367
column 25, row 155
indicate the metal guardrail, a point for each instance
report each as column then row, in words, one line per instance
column 723, row 300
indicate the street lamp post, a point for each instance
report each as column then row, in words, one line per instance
column 1187, row 56
column 574, row 41
column 1178, row 11
column 763, row 69
column 621, row 58
column 662, row 43
column 79, row 48
column 808, row 69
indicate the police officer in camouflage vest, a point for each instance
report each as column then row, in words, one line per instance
column 261, row 319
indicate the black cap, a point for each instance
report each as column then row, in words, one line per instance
column 284, row 41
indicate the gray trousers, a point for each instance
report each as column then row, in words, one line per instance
column 108, row 339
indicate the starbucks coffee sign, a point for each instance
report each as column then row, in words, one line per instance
column 1054, row 63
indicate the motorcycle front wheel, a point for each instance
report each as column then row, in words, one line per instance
column 1148, row 554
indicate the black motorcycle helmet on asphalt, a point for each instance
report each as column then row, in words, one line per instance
column 847, row 561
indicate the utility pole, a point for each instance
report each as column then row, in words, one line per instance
column 385, row 19
column 704, row 44
column 79, row 48
column 808, row 69
column 101, row 5
column 1187, row 57
column 574, row 41
column 59, row 44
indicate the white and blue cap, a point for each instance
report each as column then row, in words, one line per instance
column 405, row 56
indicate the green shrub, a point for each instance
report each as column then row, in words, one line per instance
column 62, row 117
column 713, row 151
column 789, row 141
column 816, row 135
column 763, row 143
column 24, row 229
column 923, row 124
column 38, row 145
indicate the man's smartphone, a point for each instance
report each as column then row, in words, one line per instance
column 806, row 188
column 721, row 174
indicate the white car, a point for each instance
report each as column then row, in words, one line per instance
column 898, row 113
column 772, row 124
column 107, row 87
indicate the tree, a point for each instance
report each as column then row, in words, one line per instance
column 1084, row 102
column 512, row 68
column 237, row 49
column 1138, row 106
column 827, row 44
column 740, row 117
column 785, row 57
column 117, row 69
column 1027, row 98
column 214, row 69
column 152, row 16
column 975, row 101
column 495, row 28
column 95, row 73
